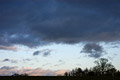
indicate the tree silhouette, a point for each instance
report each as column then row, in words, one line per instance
column 86, row 72
column 66, row 74
column 16, row 74
column 102, row 68
column 79, row 72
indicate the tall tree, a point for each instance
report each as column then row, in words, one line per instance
column 102, row 65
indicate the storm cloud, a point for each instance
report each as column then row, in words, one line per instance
column 33, row 23
column 93, row 50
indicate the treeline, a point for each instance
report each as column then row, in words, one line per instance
column 102, row 68
column 16, row 74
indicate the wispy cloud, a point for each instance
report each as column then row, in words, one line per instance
column 46, row 64
column 44, row 52
column 27, row 59
column 13, row 48
column 7, row 70
column 10, row 60
column 60, row 62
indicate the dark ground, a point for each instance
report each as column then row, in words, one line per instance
column 58, row 78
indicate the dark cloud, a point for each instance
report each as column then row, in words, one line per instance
column 36, row 53
column 93, row 50
column 33, row 23
column 44, row 52
column 10, row 60
column 6, row 60
column 7, row 67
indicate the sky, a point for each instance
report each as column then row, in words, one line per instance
column 50, row 37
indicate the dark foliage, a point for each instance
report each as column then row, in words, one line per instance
column 102, row 68
column 20, row 74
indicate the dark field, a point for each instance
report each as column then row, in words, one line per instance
column 59, row 78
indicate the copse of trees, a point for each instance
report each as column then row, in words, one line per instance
column 102, row 68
